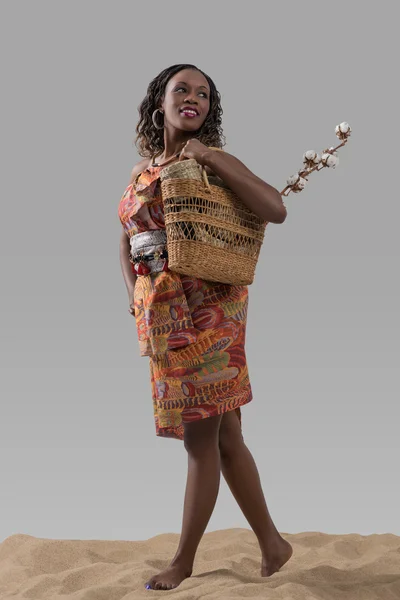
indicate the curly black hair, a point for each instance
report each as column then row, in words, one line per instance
column 150, row 140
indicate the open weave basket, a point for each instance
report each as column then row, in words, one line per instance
column 211, row 234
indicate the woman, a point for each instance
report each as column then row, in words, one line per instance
column 193, row 331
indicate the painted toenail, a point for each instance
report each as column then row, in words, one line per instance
column 148, row 587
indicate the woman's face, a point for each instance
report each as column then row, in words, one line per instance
column 189, row 89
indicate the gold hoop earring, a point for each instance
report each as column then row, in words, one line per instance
column 153, row 118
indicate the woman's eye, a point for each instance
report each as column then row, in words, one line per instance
column 182, row 88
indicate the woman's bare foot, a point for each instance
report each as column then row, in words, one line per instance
column 275, row 557
column 170, row 578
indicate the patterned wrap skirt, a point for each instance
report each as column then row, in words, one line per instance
column 209, row 376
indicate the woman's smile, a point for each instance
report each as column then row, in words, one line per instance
column 189, row 113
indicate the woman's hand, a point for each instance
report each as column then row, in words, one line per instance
column 193, row 149
column 131, row 294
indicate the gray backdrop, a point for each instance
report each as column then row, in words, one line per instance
column 79, row 456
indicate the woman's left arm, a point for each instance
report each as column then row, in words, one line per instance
column 260, row 197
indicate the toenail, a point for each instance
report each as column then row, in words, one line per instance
column 148, row 587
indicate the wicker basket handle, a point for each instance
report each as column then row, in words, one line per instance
column 203, row 169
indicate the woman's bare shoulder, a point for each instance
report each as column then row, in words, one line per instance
column 138, row 168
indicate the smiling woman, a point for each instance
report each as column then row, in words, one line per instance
column 175, row 88
column 193, row 331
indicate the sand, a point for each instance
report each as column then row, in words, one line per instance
column 227, row 566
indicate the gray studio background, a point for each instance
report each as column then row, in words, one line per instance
column 79, row 456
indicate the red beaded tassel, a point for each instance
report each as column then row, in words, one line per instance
column 141, row 269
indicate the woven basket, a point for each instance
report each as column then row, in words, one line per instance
column 211, row 234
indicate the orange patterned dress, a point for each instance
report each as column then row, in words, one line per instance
column 192, row 330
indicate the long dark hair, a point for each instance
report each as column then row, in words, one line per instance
column 150, row 141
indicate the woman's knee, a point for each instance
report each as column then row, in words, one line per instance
column 230, row 434
column 202, row 434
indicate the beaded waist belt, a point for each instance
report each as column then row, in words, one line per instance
column 149, row 252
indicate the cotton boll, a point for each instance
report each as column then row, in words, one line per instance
column 343, row 131
column 299, row 185
column 330, row 160
column 292, row 179
column 311, row 158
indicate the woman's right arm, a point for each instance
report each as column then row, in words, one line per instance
column 124, row 250
column 124, row 244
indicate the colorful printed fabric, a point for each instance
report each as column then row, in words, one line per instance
column 163, row 319
column 192, row 330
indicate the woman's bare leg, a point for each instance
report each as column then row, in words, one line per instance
column 242, row 477
column 203, row 480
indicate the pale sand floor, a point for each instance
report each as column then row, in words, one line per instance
column 227, row 566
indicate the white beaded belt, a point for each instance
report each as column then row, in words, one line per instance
column 149, row 252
